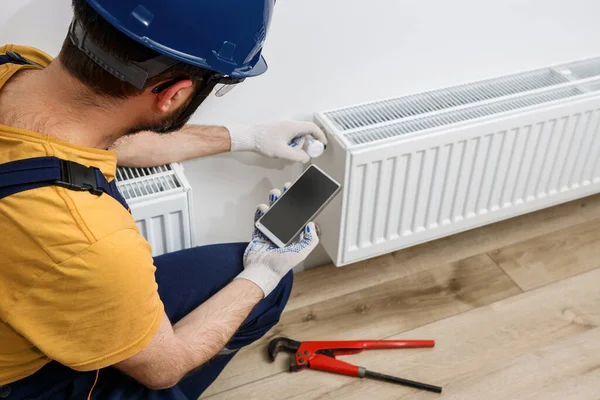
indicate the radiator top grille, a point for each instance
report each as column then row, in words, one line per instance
column 465, row 114
column 389, row 110
column 583, row 69
column 381, row 120
column 134, row 183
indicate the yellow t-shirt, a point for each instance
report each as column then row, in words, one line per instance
column 77, row 279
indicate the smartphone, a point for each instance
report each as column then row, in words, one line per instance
column 298, row 206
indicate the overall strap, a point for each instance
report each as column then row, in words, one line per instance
column 31, row 173
column 19, row 176
column 15, row 58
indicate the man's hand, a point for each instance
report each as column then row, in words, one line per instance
column 275, row 139
column 265, row 263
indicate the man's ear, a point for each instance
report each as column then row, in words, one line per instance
column 172, row 96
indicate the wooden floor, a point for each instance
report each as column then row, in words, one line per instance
column 514, row 308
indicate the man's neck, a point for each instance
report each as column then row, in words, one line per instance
column 52, row 102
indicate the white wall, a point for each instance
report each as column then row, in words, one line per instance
column 327, row 54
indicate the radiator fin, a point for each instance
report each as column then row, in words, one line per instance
column 592, row 143
column 356, row 207
column 141, row 224
column 176, row 231
column 157, row 234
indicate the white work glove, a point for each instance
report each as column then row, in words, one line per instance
column 283, row 139
column 265, row 263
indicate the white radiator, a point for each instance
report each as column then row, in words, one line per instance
column 161, row 204
column 425, row 166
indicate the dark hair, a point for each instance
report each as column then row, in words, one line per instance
column 119, row 45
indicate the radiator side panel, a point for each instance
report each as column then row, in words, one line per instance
column 330, row 221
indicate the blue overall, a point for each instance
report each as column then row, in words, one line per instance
column 185, row 280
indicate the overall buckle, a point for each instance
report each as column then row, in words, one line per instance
column 75, row 176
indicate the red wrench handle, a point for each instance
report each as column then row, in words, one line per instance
column 355, row 346
column 397, row 344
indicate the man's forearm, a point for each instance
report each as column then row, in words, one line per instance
column 175, row 350
column 207, row 330
column 148, row 149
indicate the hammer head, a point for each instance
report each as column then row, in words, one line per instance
column 282, row 344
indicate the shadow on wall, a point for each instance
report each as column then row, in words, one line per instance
column 38, row 23
column 243, row 227
column 224, row 180
column 221, row 183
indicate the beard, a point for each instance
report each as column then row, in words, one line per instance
column 169, row 124
column 175, row 121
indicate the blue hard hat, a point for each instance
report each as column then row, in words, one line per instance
column 225, row 36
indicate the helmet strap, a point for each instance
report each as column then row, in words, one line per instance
column 135, row 73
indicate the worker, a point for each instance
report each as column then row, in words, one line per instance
column 85, row 311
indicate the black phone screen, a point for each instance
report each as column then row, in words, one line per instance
column 299, row 204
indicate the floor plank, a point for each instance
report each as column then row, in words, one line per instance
column 324, row 283
column 471, row 348
column 552, row 257
column 567, row 370
column 379, row 311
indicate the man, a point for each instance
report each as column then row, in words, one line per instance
column 84, row 309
